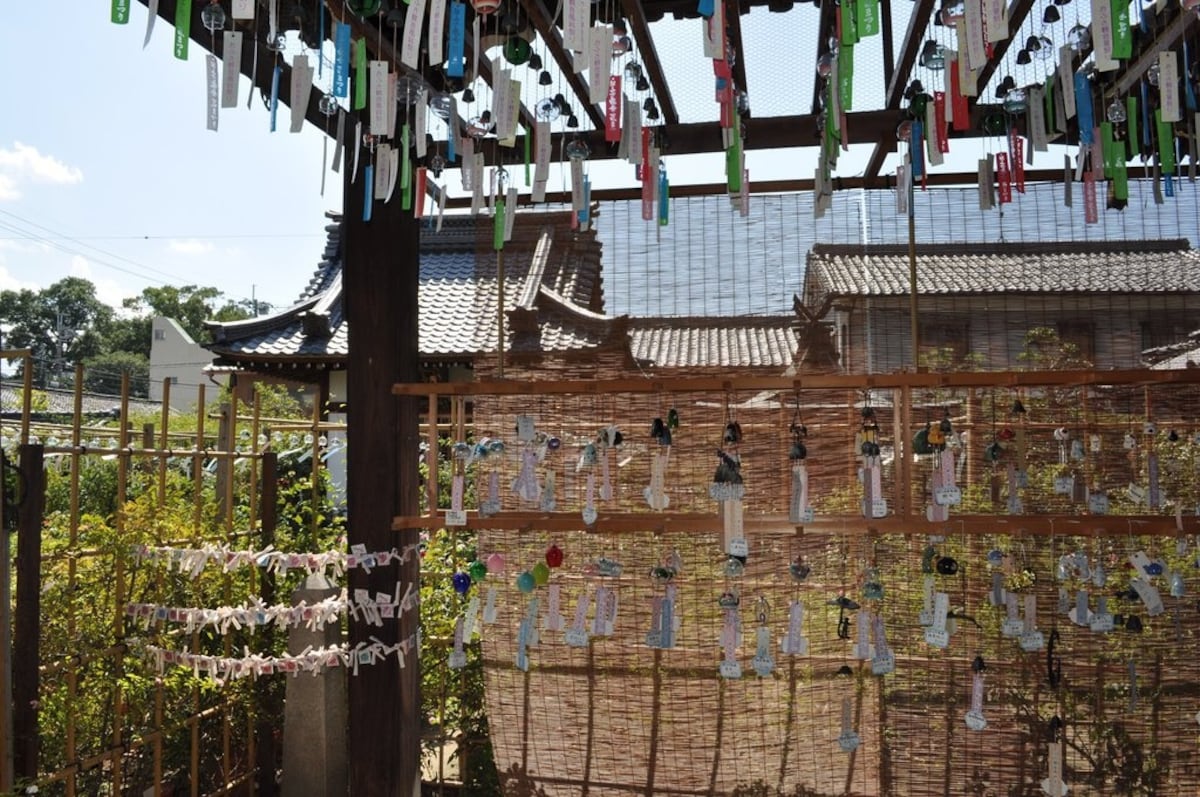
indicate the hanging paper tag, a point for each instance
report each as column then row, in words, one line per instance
column 120, row 12
column 1102, row 36
column 183, row 27
column 995, row 20
column 793, row 642
column 1031, row 638
column 213, row 91
column 489, row 606
column 414, row 20
column 975, row 719
column 1018, row 160
column 848, row 740
column 862, row 647
column 937, row 635
column 1122, row 36
column 360, row 75
column 1013, row 626
column 1091, row 208
column 1168, row 86
column 577, row 636
column 243, row 9
column 341, row 59
column 276, row 76
column 925, row 618
column 554, row 619
column 612, row 109
column 232, row 67
column 976, row 46
column 437, row 31
column 884, row 661
column 456, row 44
column 379, row 99
column 576, row 25
column 301, row 88
column 1003, row 178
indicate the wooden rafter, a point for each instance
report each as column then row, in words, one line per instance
column 549, row 32
column 1169, row 32
column 635, row 17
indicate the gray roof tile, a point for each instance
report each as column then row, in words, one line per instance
column 1067, row 267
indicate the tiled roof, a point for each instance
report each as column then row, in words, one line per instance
column 1068, row 267
column 62, row 402
column 767, row 341
column 1185, row 354
column 548, row 269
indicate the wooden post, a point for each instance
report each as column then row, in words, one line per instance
column 269, row 710
column 380, row 275
column 28, row 614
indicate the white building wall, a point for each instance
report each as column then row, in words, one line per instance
column 175, row 356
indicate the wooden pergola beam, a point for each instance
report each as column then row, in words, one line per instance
column 635, row 17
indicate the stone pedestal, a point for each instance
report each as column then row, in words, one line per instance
column 315, row 711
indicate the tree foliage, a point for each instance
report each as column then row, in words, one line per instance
column 66, row 324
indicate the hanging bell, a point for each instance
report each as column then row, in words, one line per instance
column 652, row 112
column 1017, row 407
column 544, row 79
column 213, row 16
column 933, row 56
column 535, row 61
column 436, row 164
column 1050, row 15
column 642, row 84
column 517, row 51
column 395, row 18
column 468, row 95
column 947, row 566
column 1023, row 57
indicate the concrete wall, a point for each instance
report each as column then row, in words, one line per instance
column 175, row 356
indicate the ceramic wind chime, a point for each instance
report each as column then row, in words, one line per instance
column 944, row 491
column 1053, row 784
column 728, row 488
column 764, row 662
column 664, row 622
column 799, row 510
column 660, row 431
column 526, row 485
column 491, row 452
column 870, row 473
column 794, row 642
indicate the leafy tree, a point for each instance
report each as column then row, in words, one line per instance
column 103, row 372
column 190, row 305
column 63, row 324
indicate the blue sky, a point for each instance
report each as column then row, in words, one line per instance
column 103, row 145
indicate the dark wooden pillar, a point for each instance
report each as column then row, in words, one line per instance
column 380, row 276
column 27, row 625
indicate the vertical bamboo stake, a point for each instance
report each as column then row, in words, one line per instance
column 315, row 500
column 158, row 737
column 227, row 587
column 72, row 573
column 123, row 464
column 197, row 516
column 164, row 445
column 431, row 457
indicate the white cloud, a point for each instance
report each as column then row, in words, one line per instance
column 10, row 283
column 189, row 246
column 108, row 290
column 22, row 163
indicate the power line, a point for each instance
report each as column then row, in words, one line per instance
column 203, row 237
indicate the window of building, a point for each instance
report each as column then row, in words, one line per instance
column 1080, row 334
column 160, row 334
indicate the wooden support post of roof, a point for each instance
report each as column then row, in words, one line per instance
column 544, row 23
column 380, row 277
column 635, row 17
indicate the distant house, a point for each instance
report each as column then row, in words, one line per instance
column 180, row 361
column 1110, row 299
